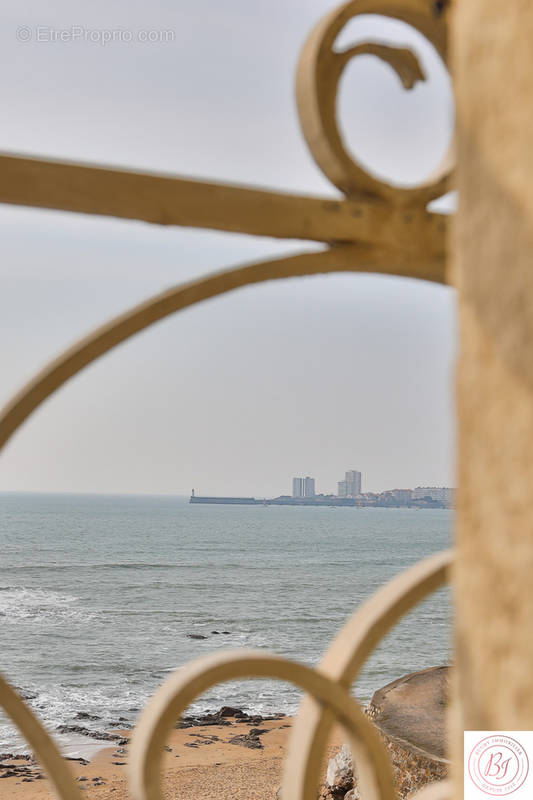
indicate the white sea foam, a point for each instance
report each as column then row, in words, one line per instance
column 18, row 603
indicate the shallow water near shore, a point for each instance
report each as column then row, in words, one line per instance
column 101, row 597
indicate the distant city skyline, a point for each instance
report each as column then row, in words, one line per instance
column 351, row 487
column 349, row 495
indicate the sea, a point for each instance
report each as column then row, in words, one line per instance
column 102, row 597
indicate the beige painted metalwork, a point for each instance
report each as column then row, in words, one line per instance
column 350, row 258
column 186, row 684
column 319, row 72
column 376, row 228
column 345, row 659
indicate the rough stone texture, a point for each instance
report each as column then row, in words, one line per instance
column 411, row 772
column 493, row 245
column 412, row 710
column 410, row 714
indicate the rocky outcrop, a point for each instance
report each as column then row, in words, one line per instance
column 411, row 772
column 410, row 716
column 223, row 717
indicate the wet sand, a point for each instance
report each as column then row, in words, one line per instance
column 199, row 764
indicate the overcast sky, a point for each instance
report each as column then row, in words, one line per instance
column 302, row 377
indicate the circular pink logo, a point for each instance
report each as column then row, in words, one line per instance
column 498, row 765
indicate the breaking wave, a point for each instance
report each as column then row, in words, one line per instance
column 18, row 603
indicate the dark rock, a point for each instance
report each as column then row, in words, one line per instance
column 25, row 694
column 223, row 716
column 86, row 715
column 228, row 711
column 215, row 633
column 196, row 636
column 246, row 740
column 15, row 757
column 203, row 720
column 81, row 761
column 258, row 731
column 100, row 735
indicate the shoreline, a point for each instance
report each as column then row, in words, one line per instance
column 76, row 740
column 240, row 756
column 231, row 756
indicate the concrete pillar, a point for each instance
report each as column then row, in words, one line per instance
column 492, row 64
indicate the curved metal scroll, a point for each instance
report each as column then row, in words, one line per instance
column 347, row 655
column 41, row 742
column 319, row 73
column 349, row 258
column 186, row 684
column 328, row 686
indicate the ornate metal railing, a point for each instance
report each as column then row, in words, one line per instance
column 378, row 228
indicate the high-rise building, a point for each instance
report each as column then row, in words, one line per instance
column 353, row 483
column 341, row 489
column 309, row 487
column 297, row 487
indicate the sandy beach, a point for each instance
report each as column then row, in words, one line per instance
column 200, row 762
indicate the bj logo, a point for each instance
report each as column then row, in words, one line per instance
column 498, row 765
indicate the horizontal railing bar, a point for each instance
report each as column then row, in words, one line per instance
column 169, row 200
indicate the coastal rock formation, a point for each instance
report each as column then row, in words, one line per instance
column 410, row 716
column 223, row 716
column 100, row 735
column 22, row 767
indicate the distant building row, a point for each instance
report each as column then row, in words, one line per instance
column 422, row 495
column 303, row 487
column 350, row 489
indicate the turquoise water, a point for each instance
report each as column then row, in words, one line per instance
column 99, row 595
